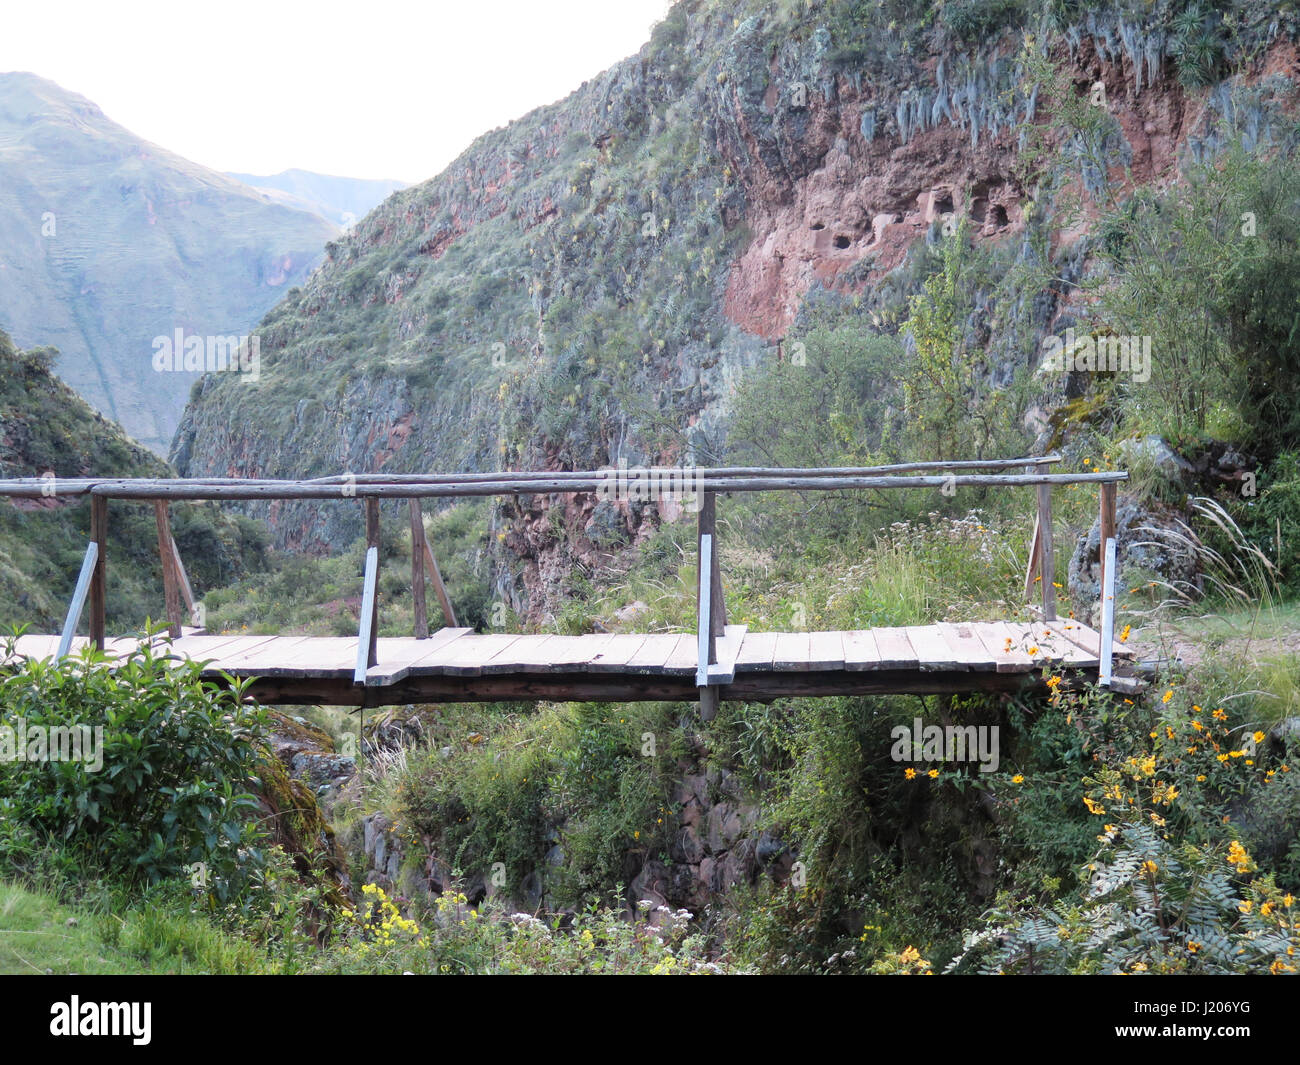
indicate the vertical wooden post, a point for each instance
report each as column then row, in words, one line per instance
column 372, row 541
column 1046, row 553
column 98, row 581
column 417, row 570
column 1107, row 522
column 171, row 584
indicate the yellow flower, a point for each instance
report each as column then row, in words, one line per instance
column 909, row 773
column 933, row 773
column 1017, row 779
column 1245, row 905
column 1123, row 636
column 1167, row 696
column 1258, row 737
column 1149, row 867
column 1093, row 807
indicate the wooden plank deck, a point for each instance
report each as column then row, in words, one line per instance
column 457, row 664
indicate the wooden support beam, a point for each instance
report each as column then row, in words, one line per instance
column 1107, row 521
column 371, row 609
column 98, row 581
column 440, row 589
column 1046, row 553
column 417, row 571
column 1032, row 568
column 187, row 592
column 171, row 583
column 78, row 600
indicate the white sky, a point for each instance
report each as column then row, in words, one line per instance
column 365, row 88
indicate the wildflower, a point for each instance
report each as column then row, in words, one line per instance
column 1167, row 696
column 1258, row 737
column 909, row 773
column 1192, row 946
column 1093, row 807
column 1198, row 726
column 1123, row 636
column 1017, row 779
column 1220, row 715
column 933, row 773
column 1149, row 867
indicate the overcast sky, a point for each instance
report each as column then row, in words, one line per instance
column 368, row 88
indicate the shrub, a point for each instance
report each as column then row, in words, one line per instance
column 161, row 787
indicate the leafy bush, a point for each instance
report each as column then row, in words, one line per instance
column 162, row 783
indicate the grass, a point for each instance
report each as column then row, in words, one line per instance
column 38, row 934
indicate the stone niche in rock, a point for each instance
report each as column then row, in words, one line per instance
column 1152, row 544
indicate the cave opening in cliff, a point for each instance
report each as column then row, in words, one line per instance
column 842, row 241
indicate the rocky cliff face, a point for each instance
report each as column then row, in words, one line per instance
column 585, row 285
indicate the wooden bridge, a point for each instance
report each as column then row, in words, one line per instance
column 718, row 661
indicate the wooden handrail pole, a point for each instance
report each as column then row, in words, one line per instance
column 372, row 543
column 78, row 601
column 417, row 571
column 98, row 580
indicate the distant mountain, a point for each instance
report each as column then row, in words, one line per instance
column 108, row 242
column 340, row 200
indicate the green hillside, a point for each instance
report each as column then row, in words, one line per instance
column 108, row 241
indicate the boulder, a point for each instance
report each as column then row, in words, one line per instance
column 1147, row 541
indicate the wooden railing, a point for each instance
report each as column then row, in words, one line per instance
column 371, row 489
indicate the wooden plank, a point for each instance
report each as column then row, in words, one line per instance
column 370, row 601
column 1005, row 659
column 615, row 655
column 792, row 651
column 466, row 657
column 98, row 583
column 573, row 653
column 826, row 650
column 78, row 600
column 1047, row 648
column 1106, row 666
column 528, row 654
column 1086, row 638
column 653, row 655
column 896, row 651
column 966, row 646
column 682, row 658
column 724, row 671
column 706, row 651
column 757, row 650
column 932, row 650
column 860, row 650
column 398, row 657
column 265, row 660
column 199, row 648
column 367, row 633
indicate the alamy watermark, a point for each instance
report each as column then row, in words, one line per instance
column 946, row 743
column 1100, row 354
column 645, row 484
column 211, row 354
column 53, row 743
